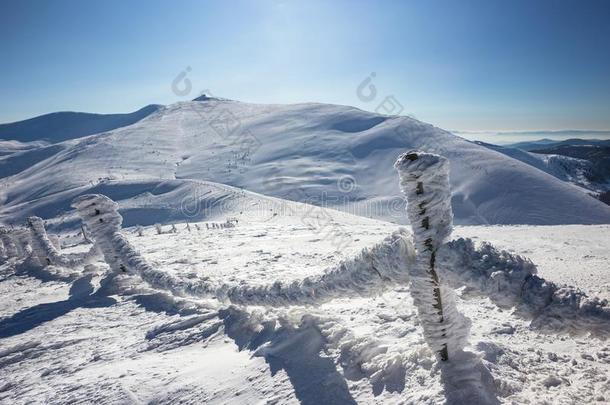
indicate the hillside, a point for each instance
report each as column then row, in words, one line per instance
column 232, row 296
column 73, row 335
column 61, row 126
column 330, row 155
column 580, row 172
column 583, row 162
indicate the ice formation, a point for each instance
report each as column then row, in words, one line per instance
column 510, row 281
column 369, row 273
column 424, row 179
column 9, row 247
column 48, row 253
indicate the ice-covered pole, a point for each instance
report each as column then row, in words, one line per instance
column 424, row 179
column 36, row 243
column 19, row 241
column 10, row 249
column 99, row 214
column 48, row 253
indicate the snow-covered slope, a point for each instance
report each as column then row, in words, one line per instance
column 10, row 147
column 68, row 336
column 579, row 172
column 60, row 126
column 324, row 154
column 157, row 201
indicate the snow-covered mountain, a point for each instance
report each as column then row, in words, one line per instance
column 60, row 126
column 251, row 298
column 324, row 154
column 572, row 170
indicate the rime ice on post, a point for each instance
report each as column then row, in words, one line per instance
column 424, row 179
column 23, row 243
column 99, row 214
column 38, row 248
column 10, row 249
column 48, row 253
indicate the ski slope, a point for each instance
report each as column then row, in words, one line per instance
column 335, row 156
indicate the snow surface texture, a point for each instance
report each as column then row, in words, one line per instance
column 86, row 333
column 361, row 356
column 131, row 344
column 465, row 374
column 302, row 152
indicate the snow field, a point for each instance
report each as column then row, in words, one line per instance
column 168, row 349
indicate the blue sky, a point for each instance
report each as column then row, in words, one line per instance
column 464, row 65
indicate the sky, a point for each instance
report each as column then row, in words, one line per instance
column 469, row 65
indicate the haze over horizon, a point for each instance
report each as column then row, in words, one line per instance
column 471, row 66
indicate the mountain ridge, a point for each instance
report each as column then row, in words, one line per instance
column 65, row 125
column 335, row 156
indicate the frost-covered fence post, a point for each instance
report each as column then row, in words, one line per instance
column 424, row 179
column 99, row 214
column 36, row 241
column 48, row 253
column 22, row 240
column 10, row 249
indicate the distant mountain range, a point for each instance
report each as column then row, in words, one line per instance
column 550, row 143
column 583, row 162
column 510, row 138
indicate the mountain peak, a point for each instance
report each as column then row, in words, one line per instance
column 209, row 97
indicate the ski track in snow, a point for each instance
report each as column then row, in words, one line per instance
column 125, row 342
